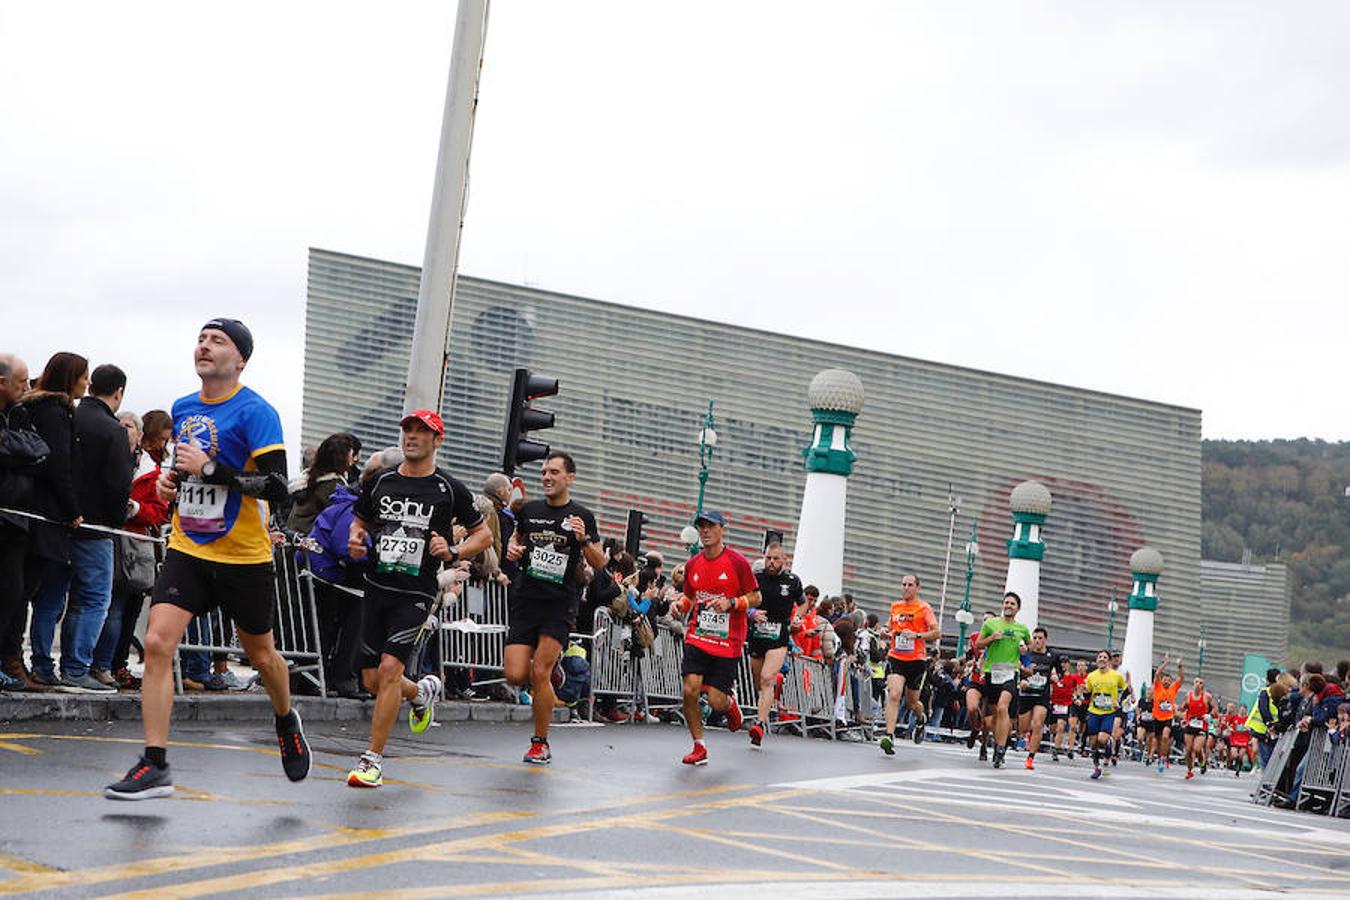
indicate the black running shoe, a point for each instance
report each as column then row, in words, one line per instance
column 998, row 757
column 984, row 753
column 295, row 758
column 920, row 723
column 970, row 740
column 143, row 781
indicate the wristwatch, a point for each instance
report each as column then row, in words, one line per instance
column 208, row 469
column 454, row 554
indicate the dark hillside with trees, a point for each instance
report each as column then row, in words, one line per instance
column 1286, row 501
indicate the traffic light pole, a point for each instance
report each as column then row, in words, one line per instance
column 435, row 295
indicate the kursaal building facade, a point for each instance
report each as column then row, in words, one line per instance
column 635, row 385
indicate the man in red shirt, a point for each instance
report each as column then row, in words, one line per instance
column 1061, row 698
column 719, row 587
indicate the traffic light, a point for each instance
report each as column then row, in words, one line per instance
column 633, row 535
column 521, row 419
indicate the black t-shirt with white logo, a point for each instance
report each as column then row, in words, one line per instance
column 547, row 584
column 401, row 512
column 778, row 594
column 1041, row 665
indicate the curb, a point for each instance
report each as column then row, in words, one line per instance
column 33, row 707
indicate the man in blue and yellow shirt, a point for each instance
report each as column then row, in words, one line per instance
column 229, row 461
column 1103, row 687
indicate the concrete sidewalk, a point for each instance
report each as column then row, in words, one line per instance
column 233, row 707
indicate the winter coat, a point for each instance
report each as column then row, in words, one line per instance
column 1325, row 703
column 307, row 502
column 22, row 453
column 331, row 528
column 53, row 415
column 103, row 467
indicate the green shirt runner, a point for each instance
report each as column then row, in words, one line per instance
column 1001, row 658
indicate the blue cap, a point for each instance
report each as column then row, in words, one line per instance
column 711, row 515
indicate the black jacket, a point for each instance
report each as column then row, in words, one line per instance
column 103, row 467
column 22, row 453
column 54, row 419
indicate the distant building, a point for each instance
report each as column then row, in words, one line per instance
column 1247, row 611
column 636, row 384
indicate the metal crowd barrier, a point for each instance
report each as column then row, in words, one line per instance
column 1267, row 789
column 807, row 700
column 1323, row 773
column 295, row 628
column 651, row 680
column 1340, row 797
column 473, row 632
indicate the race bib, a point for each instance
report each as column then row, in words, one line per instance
column 1196, row 723
column 399, row 553
column 1104, row 701
column 1036, row 682
column 714, row 624
column 770, row 630
column 1001, row 673
column 1165, row 706
column 1061, row 709
column 547, row 564
column 201, row 506
column 904, row 642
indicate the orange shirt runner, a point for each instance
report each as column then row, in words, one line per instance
column 1165, row 699
column 915, row 616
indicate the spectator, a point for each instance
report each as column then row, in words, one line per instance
column 333, row 461
column 51, row 409
column 946, row 690
column 497, row 488
column 102, row 488
column 337, row 575
column 134, row 561
column 22, row 451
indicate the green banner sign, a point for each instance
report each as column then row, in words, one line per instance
column 1253, row 677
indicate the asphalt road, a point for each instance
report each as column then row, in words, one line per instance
column 617, row 814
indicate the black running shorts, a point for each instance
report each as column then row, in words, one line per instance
column 246, row 593
column 912, row 670
column 390, row 626
column 529, row 623
column 1025, row 702
column 992, row 692
column 766, row 636
column 718, row 671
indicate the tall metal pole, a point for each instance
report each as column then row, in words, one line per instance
column 964, row 615
column 1200, row 666
column 1111, row 622
column 707, row 440
column 952, row 508
column 440, row 262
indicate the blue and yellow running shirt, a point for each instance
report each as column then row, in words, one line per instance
column 1104, row 688
column 212, row 521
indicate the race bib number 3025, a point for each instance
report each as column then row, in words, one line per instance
column 547, row 564
column 201, row 506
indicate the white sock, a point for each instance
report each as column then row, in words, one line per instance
column 374, row 757
column 698, row 743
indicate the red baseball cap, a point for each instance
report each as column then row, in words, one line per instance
column 427, row 418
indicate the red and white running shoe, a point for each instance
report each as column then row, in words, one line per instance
column 697, row 757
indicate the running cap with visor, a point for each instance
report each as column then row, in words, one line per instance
column 427, row 418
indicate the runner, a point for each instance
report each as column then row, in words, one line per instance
column 1198, row 706
column 1146, row 739
column 719, row 589
column 973, row 686
column 1104, row 687
column 229, row 463
column 1002, row 641
column 551, row 538
column 1127, row 706
column 1241, row 751
column 405, row 512
column 780, row 591
column 1062, row 693
column 1078, row 710
column 1164, row 710
column 1040, row 674
column 911, row 624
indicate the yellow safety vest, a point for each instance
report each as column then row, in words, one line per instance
column 1255, row 722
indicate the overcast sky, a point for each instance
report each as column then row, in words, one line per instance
column 1146, row 199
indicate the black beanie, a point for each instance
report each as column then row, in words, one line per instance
column 238, row 332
